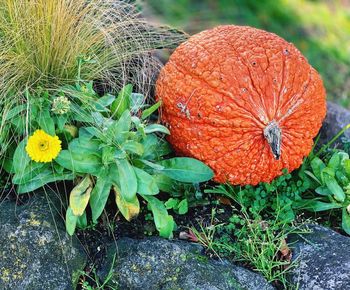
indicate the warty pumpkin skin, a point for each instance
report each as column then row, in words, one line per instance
column 242, row 100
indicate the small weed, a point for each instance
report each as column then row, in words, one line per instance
column 89, row 282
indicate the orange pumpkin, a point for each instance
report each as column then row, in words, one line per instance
column 242, row 100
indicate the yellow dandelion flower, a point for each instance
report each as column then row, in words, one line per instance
column 42, row 147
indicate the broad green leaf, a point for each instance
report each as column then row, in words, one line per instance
column 80, row 147
column 153, row 128
column 119, row 129
column 317, row 165
column 346, row 221
column 186, row 170
column 71, row 221
column 136, row 102
column 14, row 112
column 104, row 102
column 334, row 162
column 87, row 163
column 154, row 147
column 164, row 183
column 148, row 112
column 183, row 206
column 323, row 190
column 127, row 180
column 122, row 102
column 46, row 123
column 133, row 147
column 310, row 174
column 325, row 172
column 113, row 174
column 41, row 179
column 152, row 165
column 171, row 203
column 81, row 115
column 108, row 155
column 341, row 177
column 334, row 187
column 347, row 167
column 82, row 221
column 29, row 172
column 61, row 121
column 80, row 195
column 129, row 209
column 99, row 196
column 164, row 222
column 20, row 157
column 146, row 184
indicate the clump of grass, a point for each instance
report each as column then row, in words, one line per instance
column 41, row 41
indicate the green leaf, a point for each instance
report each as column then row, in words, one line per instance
column 82, row 221
column 41, row 179
column 99, row 196
column 81, row 115
column 20, row 157
column 136, row 102
column 183, row 206
column 80, row 195
column 61, row 121
column 152, row 165
column 346, row 221
column 85, row 147
column 118, row 129
column 133, row 147
column 347, row 167
column 104, row 102
column 146, row 184
column 46, row 123
column 71, row 221
column 129, row 209
column 86, row 163
column 323, row 190
column 186, row 170
column 164, row 222
column 171, row 203
column 164, row 182
column 127, row 180
column 14, row 112
column 154, row 147
column 122, row 102
column 334, row 162
column 29, row 172
column 315, row 205
column 148, row 112
column 317, row 165
column 326, row 172
column 156, row 128
column 334, row 187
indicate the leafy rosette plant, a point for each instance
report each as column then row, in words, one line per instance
column 331, row 183
column 110, row 146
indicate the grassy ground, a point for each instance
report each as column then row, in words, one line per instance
column 319, row 28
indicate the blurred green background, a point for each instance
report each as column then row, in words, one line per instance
column 319, row 28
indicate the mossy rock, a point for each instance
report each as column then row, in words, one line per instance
column 156, row 263
column 36, row 253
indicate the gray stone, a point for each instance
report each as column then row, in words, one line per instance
column 323, row 260
column 337, row 118
column 35, row 251
column 156, row 263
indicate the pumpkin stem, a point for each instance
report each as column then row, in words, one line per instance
column 273, row 136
